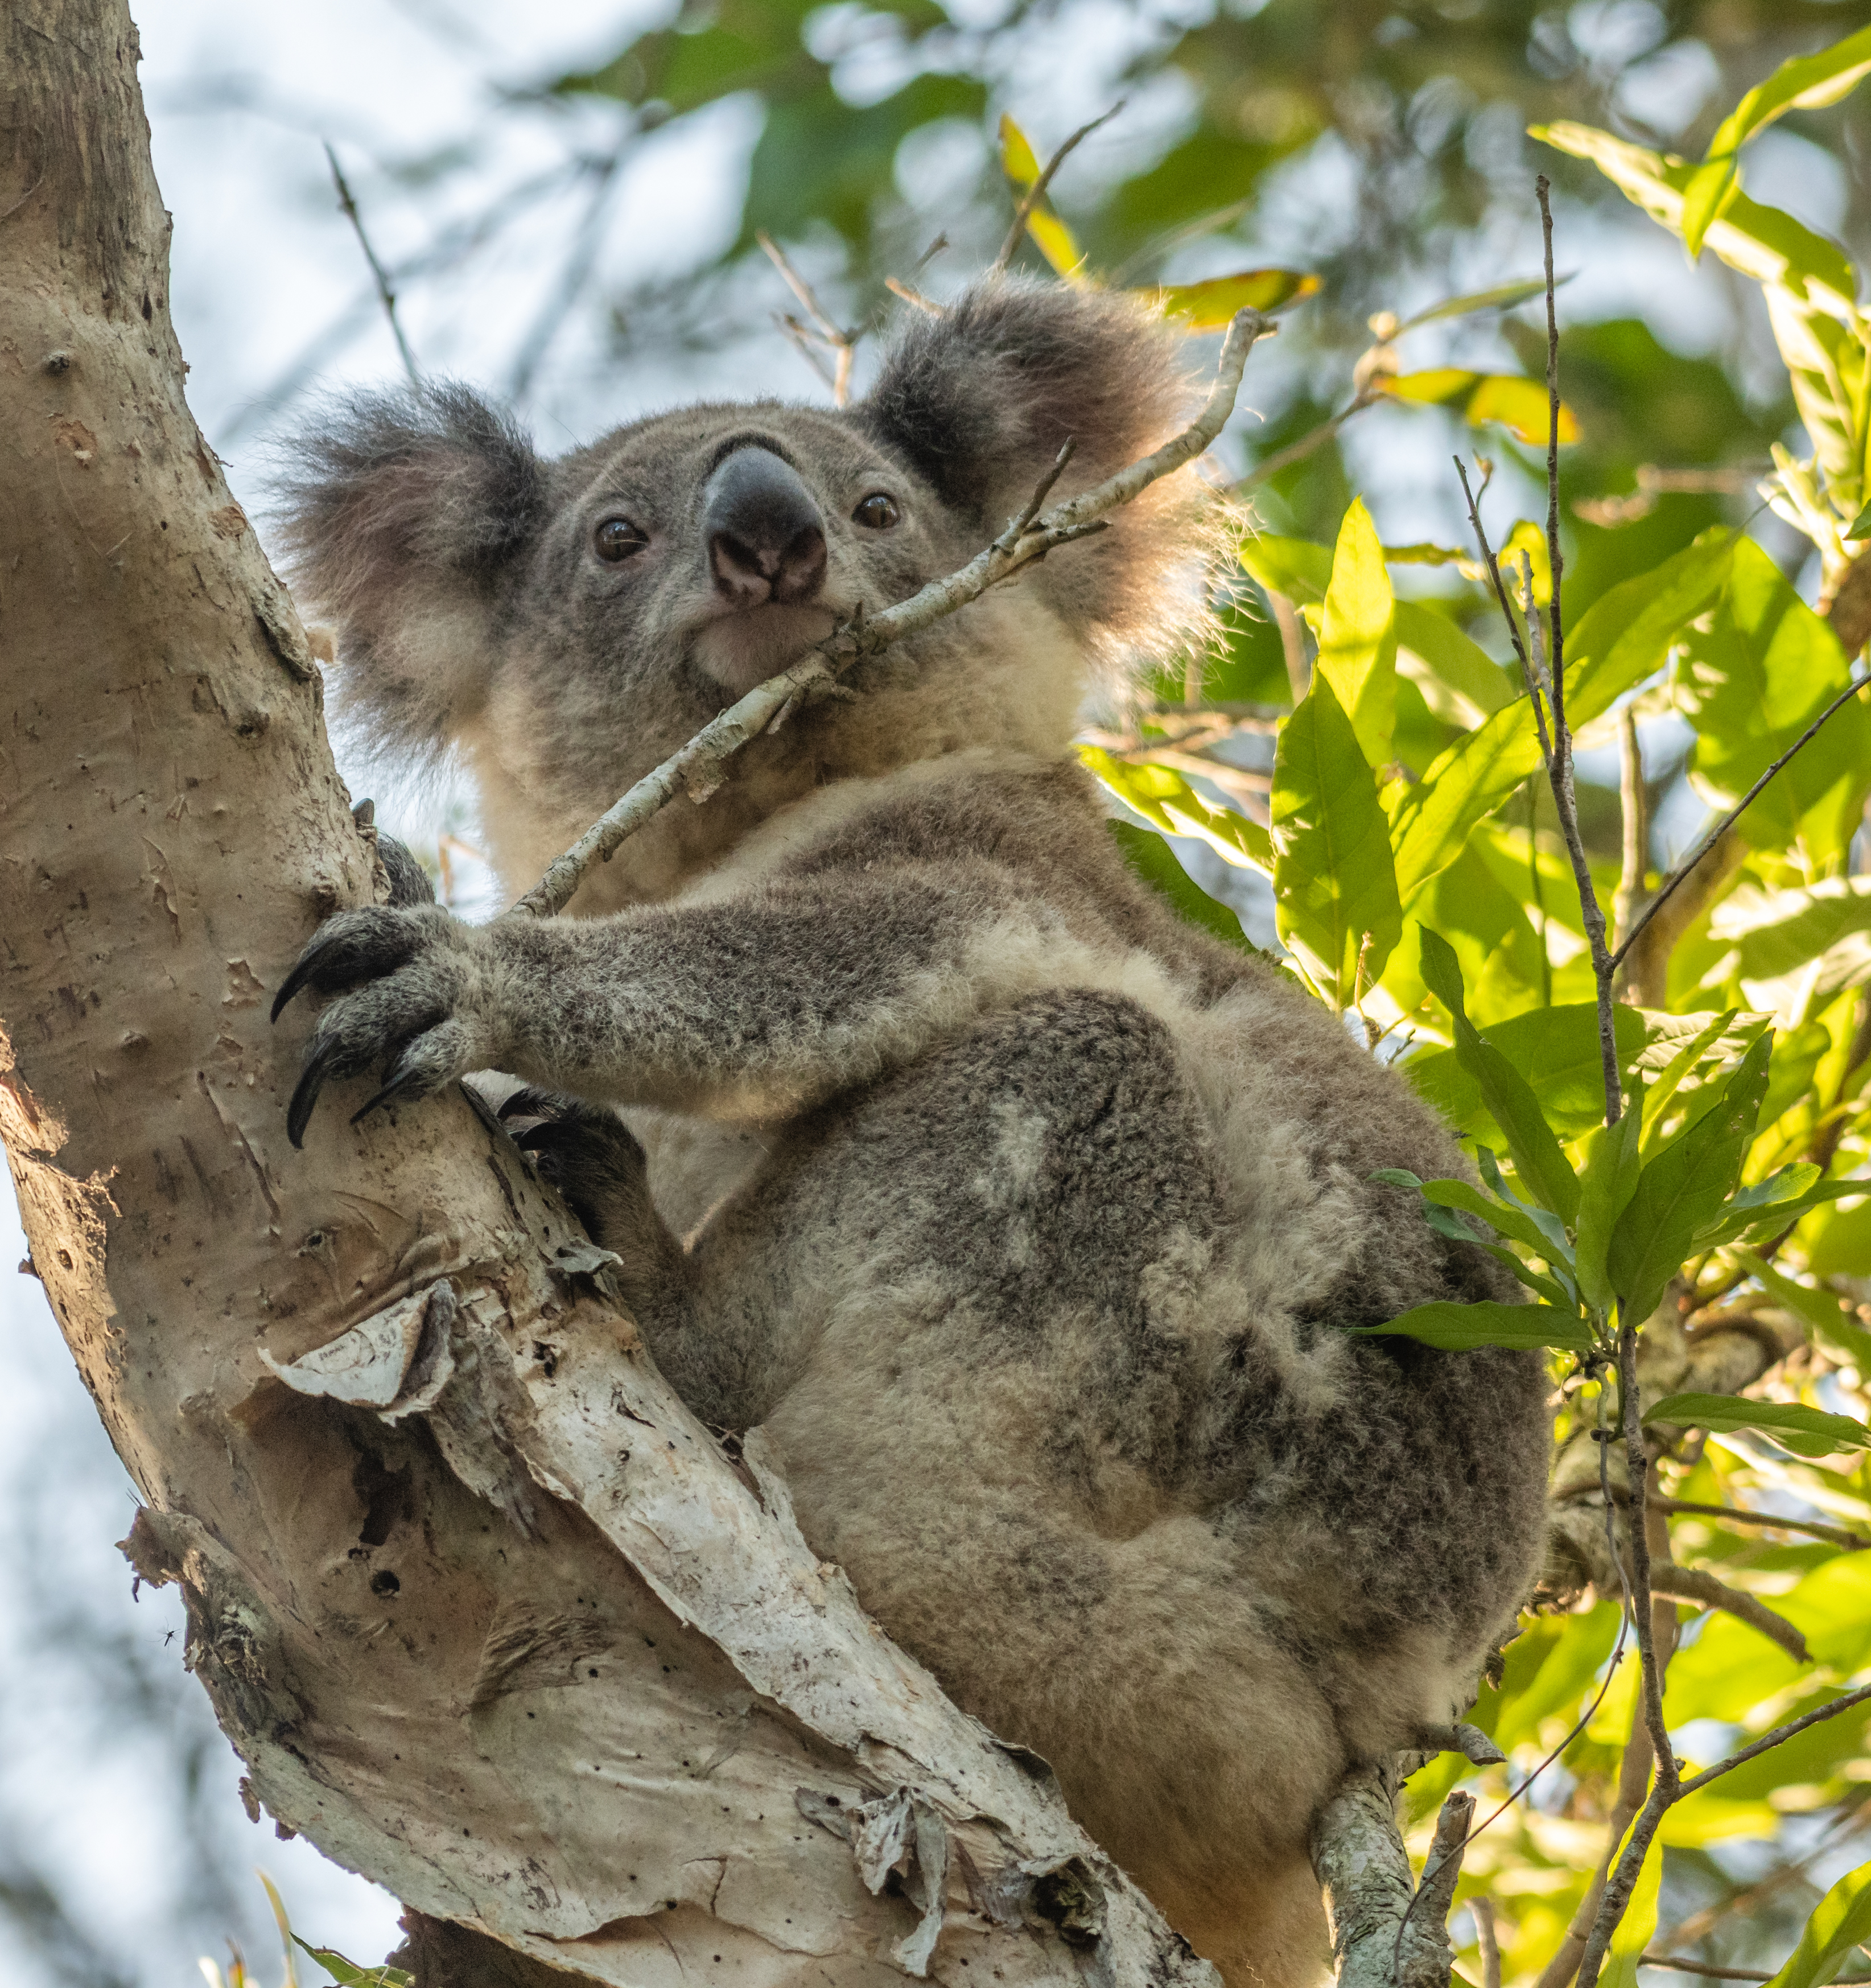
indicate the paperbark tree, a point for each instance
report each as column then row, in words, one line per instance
column 488, row 1615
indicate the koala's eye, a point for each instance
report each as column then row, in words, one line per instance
column 617, row 538
column 877, row 512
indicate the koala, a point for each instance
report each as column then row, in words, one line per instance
column 1026, row 1220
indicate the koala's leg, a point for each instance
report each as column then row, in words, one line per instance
column 594, row 1160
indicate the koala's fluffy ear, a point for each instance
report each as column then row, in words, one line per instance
column 404, row 516
column 981, row 399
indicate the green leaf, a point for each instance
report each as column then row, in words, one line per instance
column 1841, row 1922
column 1750, row 678
column 1161, row 795
column 1357, row 642
column 348, row 1974
column 1636, row 1928
column 1609, row 1178
column 1780, row 1213
column 1431, row 647
column 1503, row 296
column 1761, row 241
column 1622, row 638
column 1690, row 1057
column 1683, row 1189
column 1209, row 305
column 1543, row 1168
column 1559, row 1044
column 1335, row 888
column 1295, row 567
column 1508, row 1219
column 1821, row 1309
column 1777, row 933
column 1152, row 860
column 1807, row 1432
column 1460, row 1328
column 1806, row 82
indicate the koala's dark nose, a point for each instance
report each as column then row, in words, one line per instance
column 766, row 539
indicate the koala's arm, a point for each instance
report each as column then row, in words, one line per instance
column 750, row 1007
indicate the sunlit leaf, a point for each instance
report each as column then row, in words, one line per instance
column 1806, row 82
column 1683, row 1188
column 1162, row 796
column 1357, row 641
column 1750, row 678
column 1434, row 652
column 1051, row 236
column 1461, row 1328
column 1807, row 1432
column 1822, row 1310
column 1761, row 241
column 1211, row 304
column 1781, row 932
column 1335, row 888
column 1606, row 1183
column 1519, row 404
column 1295, row 567
column 1543, row 1168
column 1560, row 1043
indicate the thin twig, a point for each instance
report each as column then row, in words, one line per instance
column 898, row 288
column 385, row 294
column 1037, row 191
column 1714, row 1972
column 841, row 342
column 1740, row 1515
column 699, row 767
column 1482, row 1912
column 1733, row 815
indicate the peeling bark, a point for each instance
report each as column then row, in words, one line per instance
column 489, row 1616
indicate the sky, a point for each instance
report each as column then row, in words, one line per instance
column 274, row 305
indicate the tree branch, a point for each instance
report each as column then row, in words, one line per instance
column 697, row 767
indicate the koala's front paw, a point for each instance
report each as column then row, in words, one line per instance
column 585, row 1151
column 425, row 1018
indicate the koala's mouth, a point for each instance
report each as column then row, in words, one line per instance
column 740, row 647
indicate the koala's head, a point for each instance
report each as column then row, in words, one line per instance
column 570, row 621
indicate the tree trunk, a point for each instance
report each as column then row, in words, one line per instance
column 489, row 1616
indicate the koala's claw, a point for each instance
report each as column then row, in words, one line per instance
column 585, row 1151
column 407, row 981
column 355, row 945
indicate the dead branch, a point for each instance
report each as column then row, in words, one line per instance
column 1697, row 1584
column 843, row 344
column 1739, row 1515
column 698, row 768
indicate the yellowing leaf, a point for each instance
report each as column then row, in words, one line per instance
column 1209, row 304
column 1051, row 236
column 1017, row 158
column 1357, row 643
column 1519, row 405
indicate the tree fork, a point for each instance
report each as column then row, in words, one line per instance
column 489, row 1616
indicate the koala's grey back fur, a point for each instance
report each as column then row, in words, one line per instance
column 1025, row 1219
